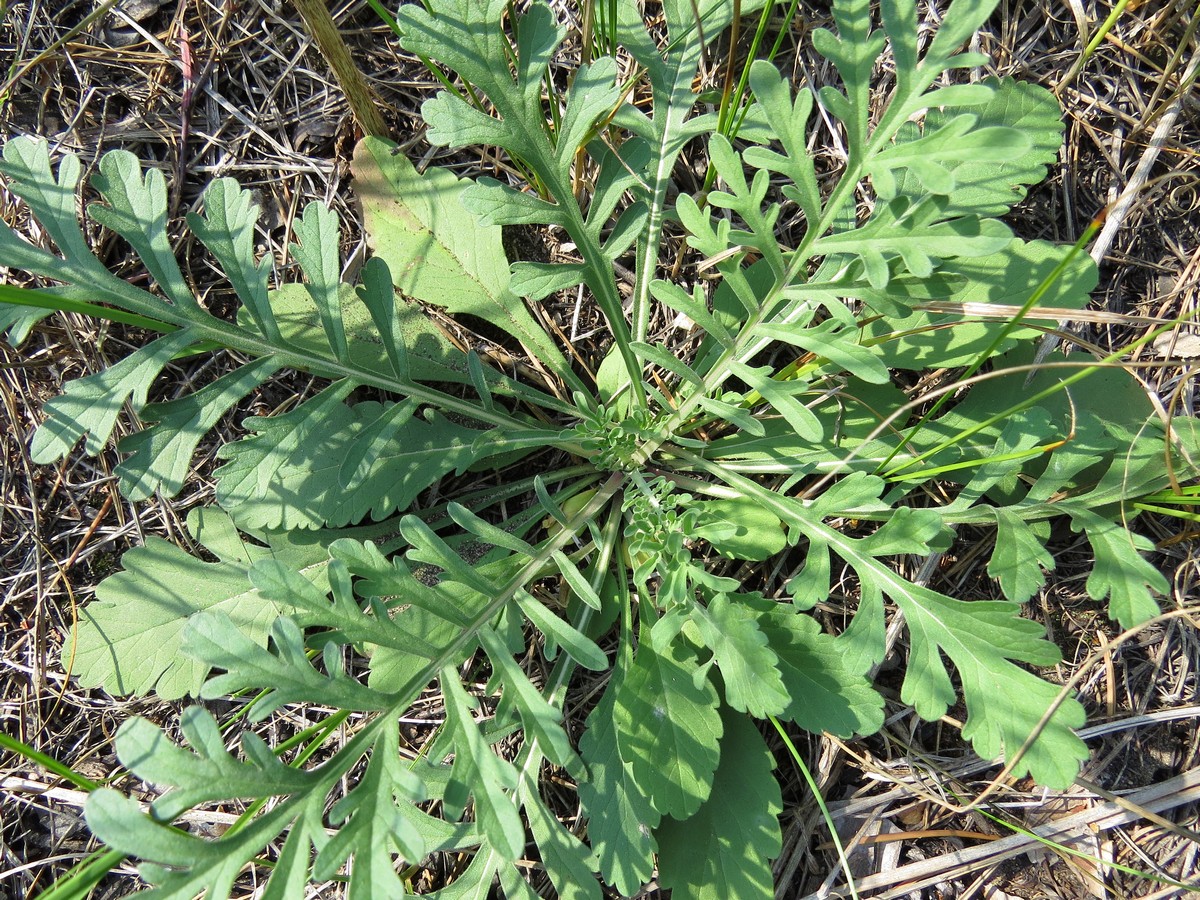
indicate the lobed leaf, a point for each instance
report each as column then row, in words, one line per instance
column 666, row 723
column 826, row 691
column 196, row 865
column 541, row 721
column 89, row 407
column 160, row 456
column 208, row 771
column 1004, row 703
column 917, row 236
column 725, row 848
column 226, row 228
column 853, row 50
column 423, row 351
column 129, row 638
column 320, row 238
column 788, row 119
column 781, row 395
column 749, row 667
column 290, row 472
column 283, row 670
column 567, row 859
column 984, row 180
column 1119, row 572
column 16, row 322
column 620, row 817
column 480, row 773
column 436, row 251
column 373, row 827
column 1009, row 277
column 50, row 197
column 1020, row 559
column 137, row 210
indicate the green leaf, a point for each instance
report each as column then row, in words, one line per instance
column 89, row 406
column 931, row 340
column 667, row 729
column 137, row 211
column 288, row 473
column 725, row 849
column 283, row 669
column 429, row 354
column 536, row 281
column 620, row 818
column 909, row 530
column 121, row 824
column 1020, row 558
column 16, row 322
column 665, row 359
column 957, row 27
column 378, row 295
column 129, row 638
column 668, row 128
column 594, row 93
column 853, row 50
column 983, row 639
column 919, row 236
column 1119, row 572
column 781, row 396
column 478, row 772
column 1004, row 703
column 511, row 77
column 26, row 162
column 929, row 158
column 495, row 203
column 514, row 884
column 741, row 651
column 826, row 692
column 312, row 607
column 581, row 587
column 579, row 646
column 183, row 866
column 997, row 470
column 747, row 200
column 788, row 119
column 475, row 882
column 740, row 528
column 567, row 859
column 392, row 668
column 436, row 251
column 317, row 253
column 290, row 874
column 847, row 418
column 372, row 827
column 542, row 721
column 835, row 343
column 208, row 771
column 982, row 185
column 227, row 229
column 160, row 456
column 694, row 306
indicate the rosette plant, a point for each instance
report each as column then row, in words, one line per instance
column 654, row 518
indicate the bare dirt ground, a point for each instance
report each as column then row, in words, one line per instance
column 266, row 110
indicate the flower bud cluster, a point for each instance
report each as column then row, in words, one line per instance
column 614, row 437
